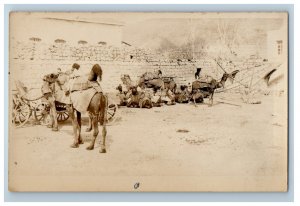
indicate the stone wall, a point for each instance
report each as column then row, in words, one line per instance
column 31, row 60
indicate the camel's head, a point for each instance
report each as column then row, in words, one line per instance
column 224, row 78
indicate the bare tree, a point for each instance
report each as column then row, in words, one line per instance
column 228, row 32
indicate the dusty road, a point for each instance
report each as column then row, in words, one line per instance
column 224, row 142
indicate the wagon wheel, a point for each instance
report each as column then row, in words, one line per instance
column 41, row 114
column 21, row 113
column 111, row 112
column 62, row 116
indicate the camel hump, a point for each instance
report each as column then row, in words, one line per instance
column 205, row 79
column 148, row 76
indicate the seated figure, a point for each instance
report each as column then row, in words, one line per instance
column 122, row 96
column 79, row 83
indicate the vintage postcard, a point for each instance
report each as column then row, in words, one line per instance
column 148, row 102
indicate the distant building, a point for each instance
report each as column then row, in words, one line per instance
column 277, row 45
column 52, row 28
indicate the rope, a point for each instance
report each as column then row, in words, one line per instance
column 245, row 78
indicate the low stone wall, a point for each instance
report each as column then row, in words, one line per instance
column 31, row 72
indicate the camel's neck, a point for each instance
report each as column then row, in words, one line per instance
column 221, row 83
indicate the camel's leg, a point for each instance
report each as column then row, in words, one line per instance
column 103, row 111
column 89, row 128
column 95, row 132
column 211, row 98
column 53, row 114
column 104, row 132
column 50, row 125
column 129, row 103
column 195, row 104
column 194, row 99
column 75, row 127
column 78, row 114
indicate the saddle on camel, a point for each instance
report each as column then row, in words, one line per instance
column 85, row 95
column 82, row 88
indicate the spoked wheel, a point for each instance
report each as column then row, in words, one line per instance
column 62, row 116
column 21, row 113
column 42, row 114
column 61, row 109
column 111, row 112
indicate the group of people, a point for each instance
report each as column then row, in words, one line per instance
column 147, row 95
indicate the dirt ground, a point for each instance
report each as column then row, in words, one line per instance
column 222, row 141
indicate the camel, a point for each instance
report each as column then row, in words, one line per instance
column 151, row 83
column 207, row 88
column 182, row 95
column 150, row 80
column 170, row 84
column 48, row 87
column 97, row 109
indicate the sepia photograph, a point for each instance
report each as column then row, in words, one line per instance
column 148, row 102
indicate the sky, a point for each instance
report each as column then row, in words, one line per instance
column 159, row 30
column 152, row 33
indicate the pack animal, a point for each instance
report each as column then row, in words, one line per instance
column 207, row 88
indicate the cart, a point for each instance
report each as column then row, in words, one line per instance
column 25, row 105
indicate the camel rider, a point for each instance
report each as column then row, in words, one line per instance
column 72, row 74
column 95, row 76
column 158, row 74
column 197, row 74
